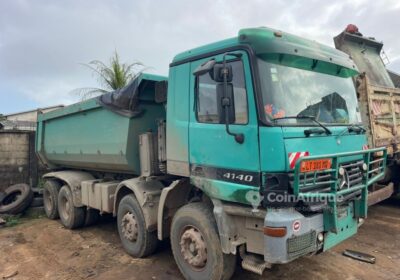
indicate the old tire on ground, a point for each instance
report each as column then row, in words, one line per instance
column 196, row 246
column 91, row 217
column 2, row 195
column 135, row 238
column 37, row 191
column 71, row 217
column 17, row 198
column 50, row 198
column 37, row 201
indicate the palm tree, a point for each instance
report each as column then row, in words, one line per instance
column 112, row 77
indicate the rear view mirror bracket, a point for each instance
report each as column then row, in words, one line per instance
column 227, row 101
column 205, row 67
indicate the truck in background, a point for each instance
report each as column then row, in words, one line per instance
column 252, row 146
column 379, row 105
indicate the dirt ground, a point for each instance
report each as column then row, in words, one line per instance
column 43, row 249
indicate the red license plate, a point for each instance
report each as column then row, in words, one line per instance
column 314, row 165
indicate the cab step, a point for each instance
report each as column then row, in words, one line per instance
column 253, row 263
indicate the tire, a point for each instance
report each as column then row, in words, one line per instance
column 37, row 201
column 51, row 189
column 2, row 195
column 136, row 239
column 17, row 198
column 71, row 217
column 194, row 224
column 91, row 217
column 39, row 191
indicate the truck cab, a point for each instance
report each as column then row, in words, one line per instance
column 289, row 145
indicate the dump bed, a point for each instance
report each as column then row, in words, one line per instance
column 365, row 52
column 380, row 109
column 101, row 133
column 378, row 98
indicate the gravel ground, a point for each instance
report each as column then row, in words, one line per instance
column 43, row 249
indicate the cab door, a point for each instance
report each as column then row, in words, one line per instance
column 221, row 166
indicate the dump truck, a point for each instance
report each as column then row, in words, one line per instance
column 250, row 149
column 379, row 101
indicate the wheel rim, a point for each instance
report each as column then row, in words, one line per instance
column 47, row 200
column 129, row 227
column 65, row 207
column 193, row 248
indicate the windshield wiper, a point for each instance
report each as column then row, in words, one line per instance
column 353, row 128
column 307, row 132
column 356, row 128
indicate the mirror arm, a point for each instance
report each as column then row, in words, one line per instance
column 239, row 137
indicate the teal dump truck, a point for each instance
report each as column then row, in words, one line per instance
column 251, row 148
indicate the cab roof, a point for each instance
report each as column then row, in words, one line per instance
column 264, row 40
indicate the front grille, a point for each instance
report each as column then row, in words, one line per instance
column 321, row 181
column 346, row 180
column 301, row 245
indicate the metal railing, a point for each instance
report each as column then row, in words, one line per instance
column 349, row 173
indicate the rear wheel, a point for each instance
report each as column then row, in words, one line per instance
column 71, row 216
column 50, row 198
column 196, row 246
column 135, row 238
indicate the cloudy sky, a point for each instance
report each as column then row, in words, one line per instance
column 43, row 42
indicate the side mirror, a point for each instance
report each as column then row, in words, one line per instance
column 222, row 74
column 226, row 102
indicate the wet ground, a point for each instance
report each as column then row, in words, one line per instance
column 43, row 249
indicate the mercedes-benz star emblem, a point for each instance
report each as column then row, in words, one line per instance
column 345, row 181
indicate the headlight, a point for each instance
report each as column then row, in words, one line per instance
column 365, row 167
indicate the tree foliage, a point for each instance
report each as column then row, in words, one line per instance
column 110, row 77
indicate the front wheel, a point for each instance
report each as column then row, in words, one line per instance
column 196, row 246
column 135, row 238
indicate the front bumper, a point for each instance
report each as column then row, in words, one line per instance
column 296, row 242
column 303, row 239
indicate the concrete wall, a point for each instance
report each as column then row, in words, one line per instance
column 27, row 116
column 18, row 162
column 31, row 115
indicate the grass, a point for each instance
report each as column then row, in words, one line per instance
column 29, row 214
column 11, row 220
column 40, row 183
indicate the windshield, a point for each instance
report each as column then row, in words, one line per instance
column 293, row 92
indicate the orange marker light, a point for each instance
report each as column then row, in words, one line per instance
column 275, row 231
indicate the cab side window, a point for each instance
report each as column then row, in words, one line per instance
column 207, row 103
